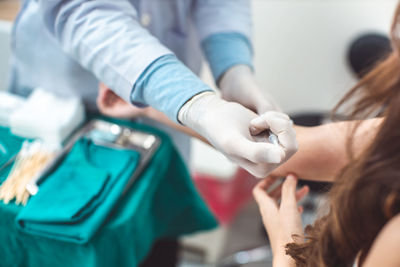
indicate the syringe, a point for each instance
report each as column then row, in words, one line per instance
column 273, row 138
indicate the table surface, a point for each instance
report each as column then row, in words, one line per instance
column 9, row 9
column 162, row 203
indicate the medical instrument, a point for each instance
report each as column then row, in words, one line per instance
column 32, row 186
column 122, row 137
column 32, row 157
column 273, row 138
column 110, row 135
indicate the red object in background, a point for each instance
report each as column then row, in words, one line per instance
column 226, row 197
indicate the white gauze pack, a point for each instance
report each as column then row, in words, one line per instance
column 47, row 116
column 8, row 104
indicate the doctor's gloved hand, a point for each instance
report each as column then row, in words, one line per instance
column 238, row 84
column 281, row 125
column 226, row 125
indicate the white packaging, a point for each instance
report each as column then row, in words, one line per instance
column 8, row 104
column 48, row 117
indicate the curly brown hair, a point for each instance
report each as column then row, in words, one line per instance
column 366, row 193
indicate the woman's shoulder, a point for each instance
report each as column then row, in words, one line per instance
column 385, row 249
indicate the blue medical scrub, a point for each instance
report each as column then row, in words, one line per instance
column 136, row 47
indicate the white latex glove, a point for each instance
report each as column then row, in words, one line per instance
column 226, row 125
column 279, row 124
column 238, row 84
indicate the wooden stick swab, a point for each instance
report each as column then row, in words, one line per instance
column 32, row 158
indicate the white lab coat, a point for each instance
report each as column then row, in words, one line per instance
column 69, row 46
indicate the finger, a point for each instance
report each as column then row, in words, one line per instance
column 268, row 182
column 276, row 193
column 261, row 123
column 289, row 191
column 267, row 205
column 259, row 171
column 277, row 114
column 279, row 124
column 260, row 190
column 254, row 169
column 300, row 209
column 262, row 198
column 260, row 152
column 302, row 192
column 257, row 158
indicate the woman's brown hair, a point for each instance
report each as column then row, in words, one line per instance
column 366, row 193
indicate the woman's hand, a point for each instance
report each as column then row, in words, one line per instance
column 283, row 220
column 112, row 105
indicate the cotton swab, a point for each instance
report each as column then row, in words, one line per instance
column 31, row 159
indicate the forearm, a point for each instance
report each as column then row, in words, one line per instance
column 167, row 84
column 280, row 258
column 323, row 149
column 316, row 158
column 105, row 37
column 112, row 105
column 124, row 55
column 162, row 118
column 283, row 260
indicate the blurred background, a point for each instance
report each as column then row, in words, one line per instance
column 302, row 60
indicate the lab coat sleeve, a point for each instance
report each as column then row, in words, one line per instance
column 167, row 72
column 224, row 28
column 106, row 38
column 225, row 50
column 222, row 16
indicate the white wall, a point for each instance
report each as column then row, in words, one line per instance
column 301, row 46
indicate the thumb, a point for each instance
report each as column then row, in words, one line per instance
column 281, row 125
column 263, row 121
